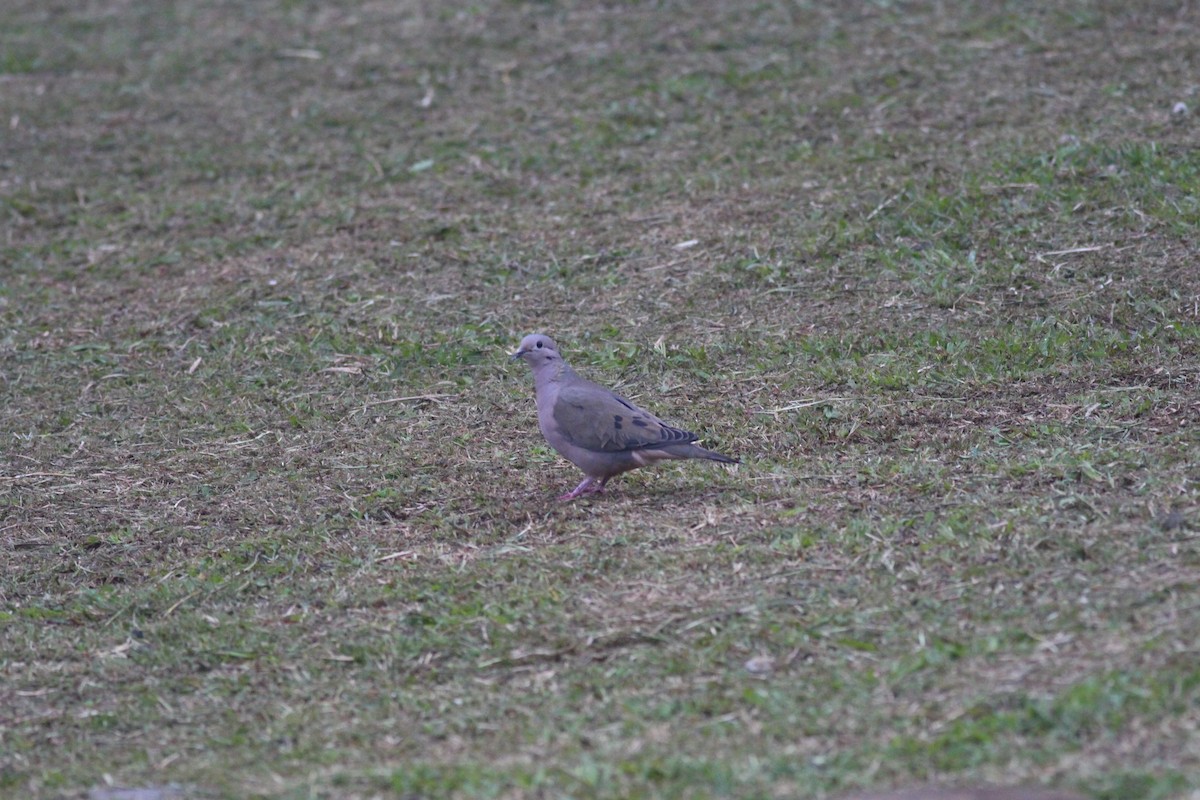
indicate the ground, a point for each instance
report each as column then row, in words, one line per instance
column 275, row 516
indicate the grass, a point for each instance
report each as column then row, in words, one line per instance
column 275, row 518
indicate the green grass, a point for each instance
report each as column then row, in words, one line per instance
column 275, row 517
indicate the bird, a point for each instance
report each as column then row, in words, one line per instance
column 598, row 431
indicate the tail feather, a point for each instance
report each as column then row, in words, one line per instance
column 695, row 451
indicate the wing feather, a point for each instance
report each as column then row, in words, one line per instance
column 592, row 417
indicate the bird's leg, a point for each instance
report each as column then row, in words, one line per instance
column 582, row 488
column 587, row 486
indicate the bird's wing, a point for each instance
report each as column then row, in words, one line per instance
column 594, row 418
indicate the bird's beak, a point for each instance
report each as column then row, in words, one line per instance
column 517, row 355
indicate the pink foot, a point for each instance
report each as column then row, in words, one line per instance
column 588, row 486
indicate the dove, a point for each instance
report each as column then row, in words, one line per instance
column 600, row 432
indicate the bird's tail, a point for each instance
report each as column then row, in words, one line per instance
column 696, row 451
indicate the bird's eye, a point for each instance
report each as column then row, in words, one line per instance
column 539, row 344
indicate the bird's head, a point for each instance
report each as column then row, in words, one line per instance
column 537, row 350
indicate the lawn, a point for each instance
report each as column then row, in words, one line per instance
column 276, row 520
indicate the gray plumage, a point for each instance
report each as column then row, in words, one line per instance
column 600, row 432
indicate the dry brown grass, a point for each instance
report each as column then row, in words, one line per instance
column 274, row 516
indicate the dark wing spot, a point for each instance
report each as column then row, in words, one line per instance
column 641, row 423
column 617, row 422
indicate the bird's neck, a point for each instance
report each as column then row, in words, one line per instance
column 552, row 373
